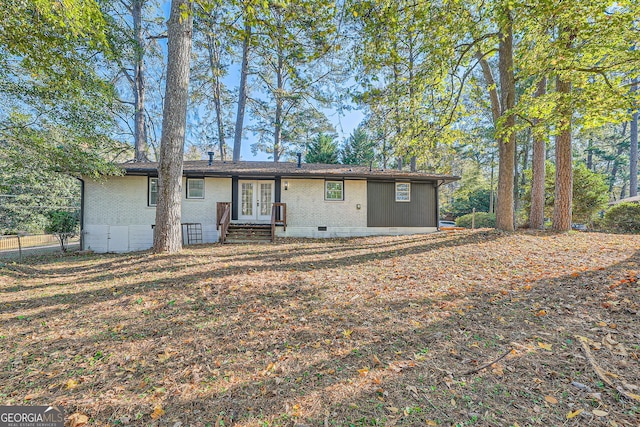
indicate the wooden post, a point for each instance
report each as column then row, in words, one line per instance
column 19, row 248
column 473, row 219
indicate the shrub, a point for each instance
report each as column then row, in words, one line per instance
column 482, row 220
column 464, row 203
column 623, row 217
column 589, row 192
column 64, row 225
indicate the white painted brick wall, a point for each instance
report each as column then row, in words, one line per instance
column 306, row 206
column 122, row 201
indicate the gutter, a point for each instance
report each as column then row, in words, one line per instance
column 288, row 175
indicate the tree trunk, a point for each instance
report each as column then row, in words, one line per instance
column 536, row 214
column 491, row 193
column 633, row 152
column 520, row 179
column 277, row 131
column 501, row 104
column 616, row 166
column 506, row 142
column 168, row 230
column 140, row 126
column 242, row 93
column 213, row 49
column 564, row 166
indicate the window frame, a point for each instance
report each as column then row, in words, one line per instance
column 328, row 199
column 407, row 191
column 188, row 194
column 149, row 180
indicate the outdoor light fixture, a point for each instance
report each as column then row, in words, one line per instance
column 286, row 185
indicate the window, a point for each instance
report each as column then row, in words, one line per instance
column 403, row 192
column 333, row 190
column 153, row 191
column 195, row 188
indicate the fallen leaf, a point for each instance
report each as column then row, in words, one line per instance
column 497, row 369
column 541, row 313
column 295, row 411
column 395, row 367
column 77, row 420
column 609, row 341
column 631, row 395
column 599, row 413
column 376, row 361
column 431, row 423
column 392, row 409
column 545, row 346
column 616, row 347
column 157, row 412
column 574, row 413
column 71, row 384
column 347, row 333
column 363, row 372
column 551, row 399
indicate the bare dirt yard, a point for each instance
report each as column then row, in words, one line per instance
column 349, row 332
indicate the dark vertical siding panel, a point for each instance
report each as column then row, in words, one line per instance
column 234, row 198
column 378, row 207
column 278, row 194
column 384, row 211
column 278, row 190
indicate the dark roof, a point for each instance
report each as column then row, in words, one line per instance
column 285, row 170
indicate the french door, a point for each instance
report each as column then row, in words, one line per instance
column 256, row 199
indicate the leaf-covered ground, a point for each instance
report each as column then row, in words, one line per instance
column 368, row 331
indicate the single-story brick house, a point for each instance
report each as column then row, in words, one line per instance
column 295, row 199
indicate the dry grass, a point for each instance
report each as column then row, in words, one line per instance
column 368, row 331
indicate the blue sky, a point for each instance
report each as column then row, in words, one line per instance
column 343, row 120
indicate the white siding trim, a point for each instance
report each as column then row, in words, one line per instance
column 312, row 232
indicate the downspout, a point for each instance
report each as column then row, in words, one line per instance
column 81, row 213
column 438, row 184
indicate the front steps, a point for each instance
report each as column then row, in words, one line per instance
column 249, row 233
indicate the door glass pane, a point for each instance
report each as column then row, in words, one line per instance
column 247, row 198
column 265, row 198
